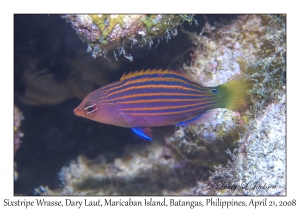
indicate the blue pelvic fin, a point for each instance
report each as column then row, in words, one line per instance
column 199, row 119
column 145, row 133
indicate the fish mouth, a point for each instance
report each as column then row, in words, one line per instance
column 77, row 112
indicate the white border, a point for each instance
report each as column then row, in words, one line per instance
column 8, row 8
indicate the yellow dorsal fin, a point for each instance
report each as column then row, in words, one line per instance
column 143, row 72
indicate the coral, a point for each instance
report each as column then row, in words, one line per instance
column 107, row 32
column 142, row 170
column 253, row 45
column 264, row 159
column 258, row 161
column 18, row 117
column 207, row 143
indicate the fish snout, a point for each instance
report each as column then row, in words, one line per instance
column 77, row 112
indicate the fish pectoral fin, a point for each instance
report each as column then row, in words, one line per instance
column 145, row 133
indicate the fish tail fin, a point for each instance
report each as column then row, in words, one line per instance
column 234, row 94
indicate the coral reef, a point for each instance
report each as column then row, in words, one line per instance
column 207, row 143
column 230, row 148
column 18, row 117
column 106, row 32
column 258, row 166
column 255, row 46
column 142, row 170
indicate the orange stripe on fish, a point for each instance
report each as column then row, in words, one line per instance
column 166, row 107
column 148, row 79
column 165, row 113
column 158, row 100
column 147, row 94
column 152, row 86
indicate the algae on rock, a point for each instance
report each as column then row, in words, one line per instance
column 254, row 45
column 142, row 170
column 18, row 118
column 104, row 32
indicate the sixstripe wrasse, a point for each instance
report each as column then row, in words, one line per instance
column 153, row 98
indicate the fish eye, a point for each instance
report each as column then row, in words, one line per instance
column 214, row 91
column 90, row 108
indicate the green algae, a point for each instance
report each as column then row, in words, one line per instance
column 157, row 25
column 106, row 24
column 108, row 32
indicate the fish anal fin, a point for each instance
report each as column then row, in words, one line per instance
column 145, row 133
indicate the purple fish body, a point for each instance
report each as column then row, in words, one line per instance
column 152, row 98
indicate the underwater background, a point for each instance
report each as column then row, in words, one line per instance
column 58, row 153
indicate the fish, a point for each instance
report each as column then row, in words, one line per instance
column 143, row 100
